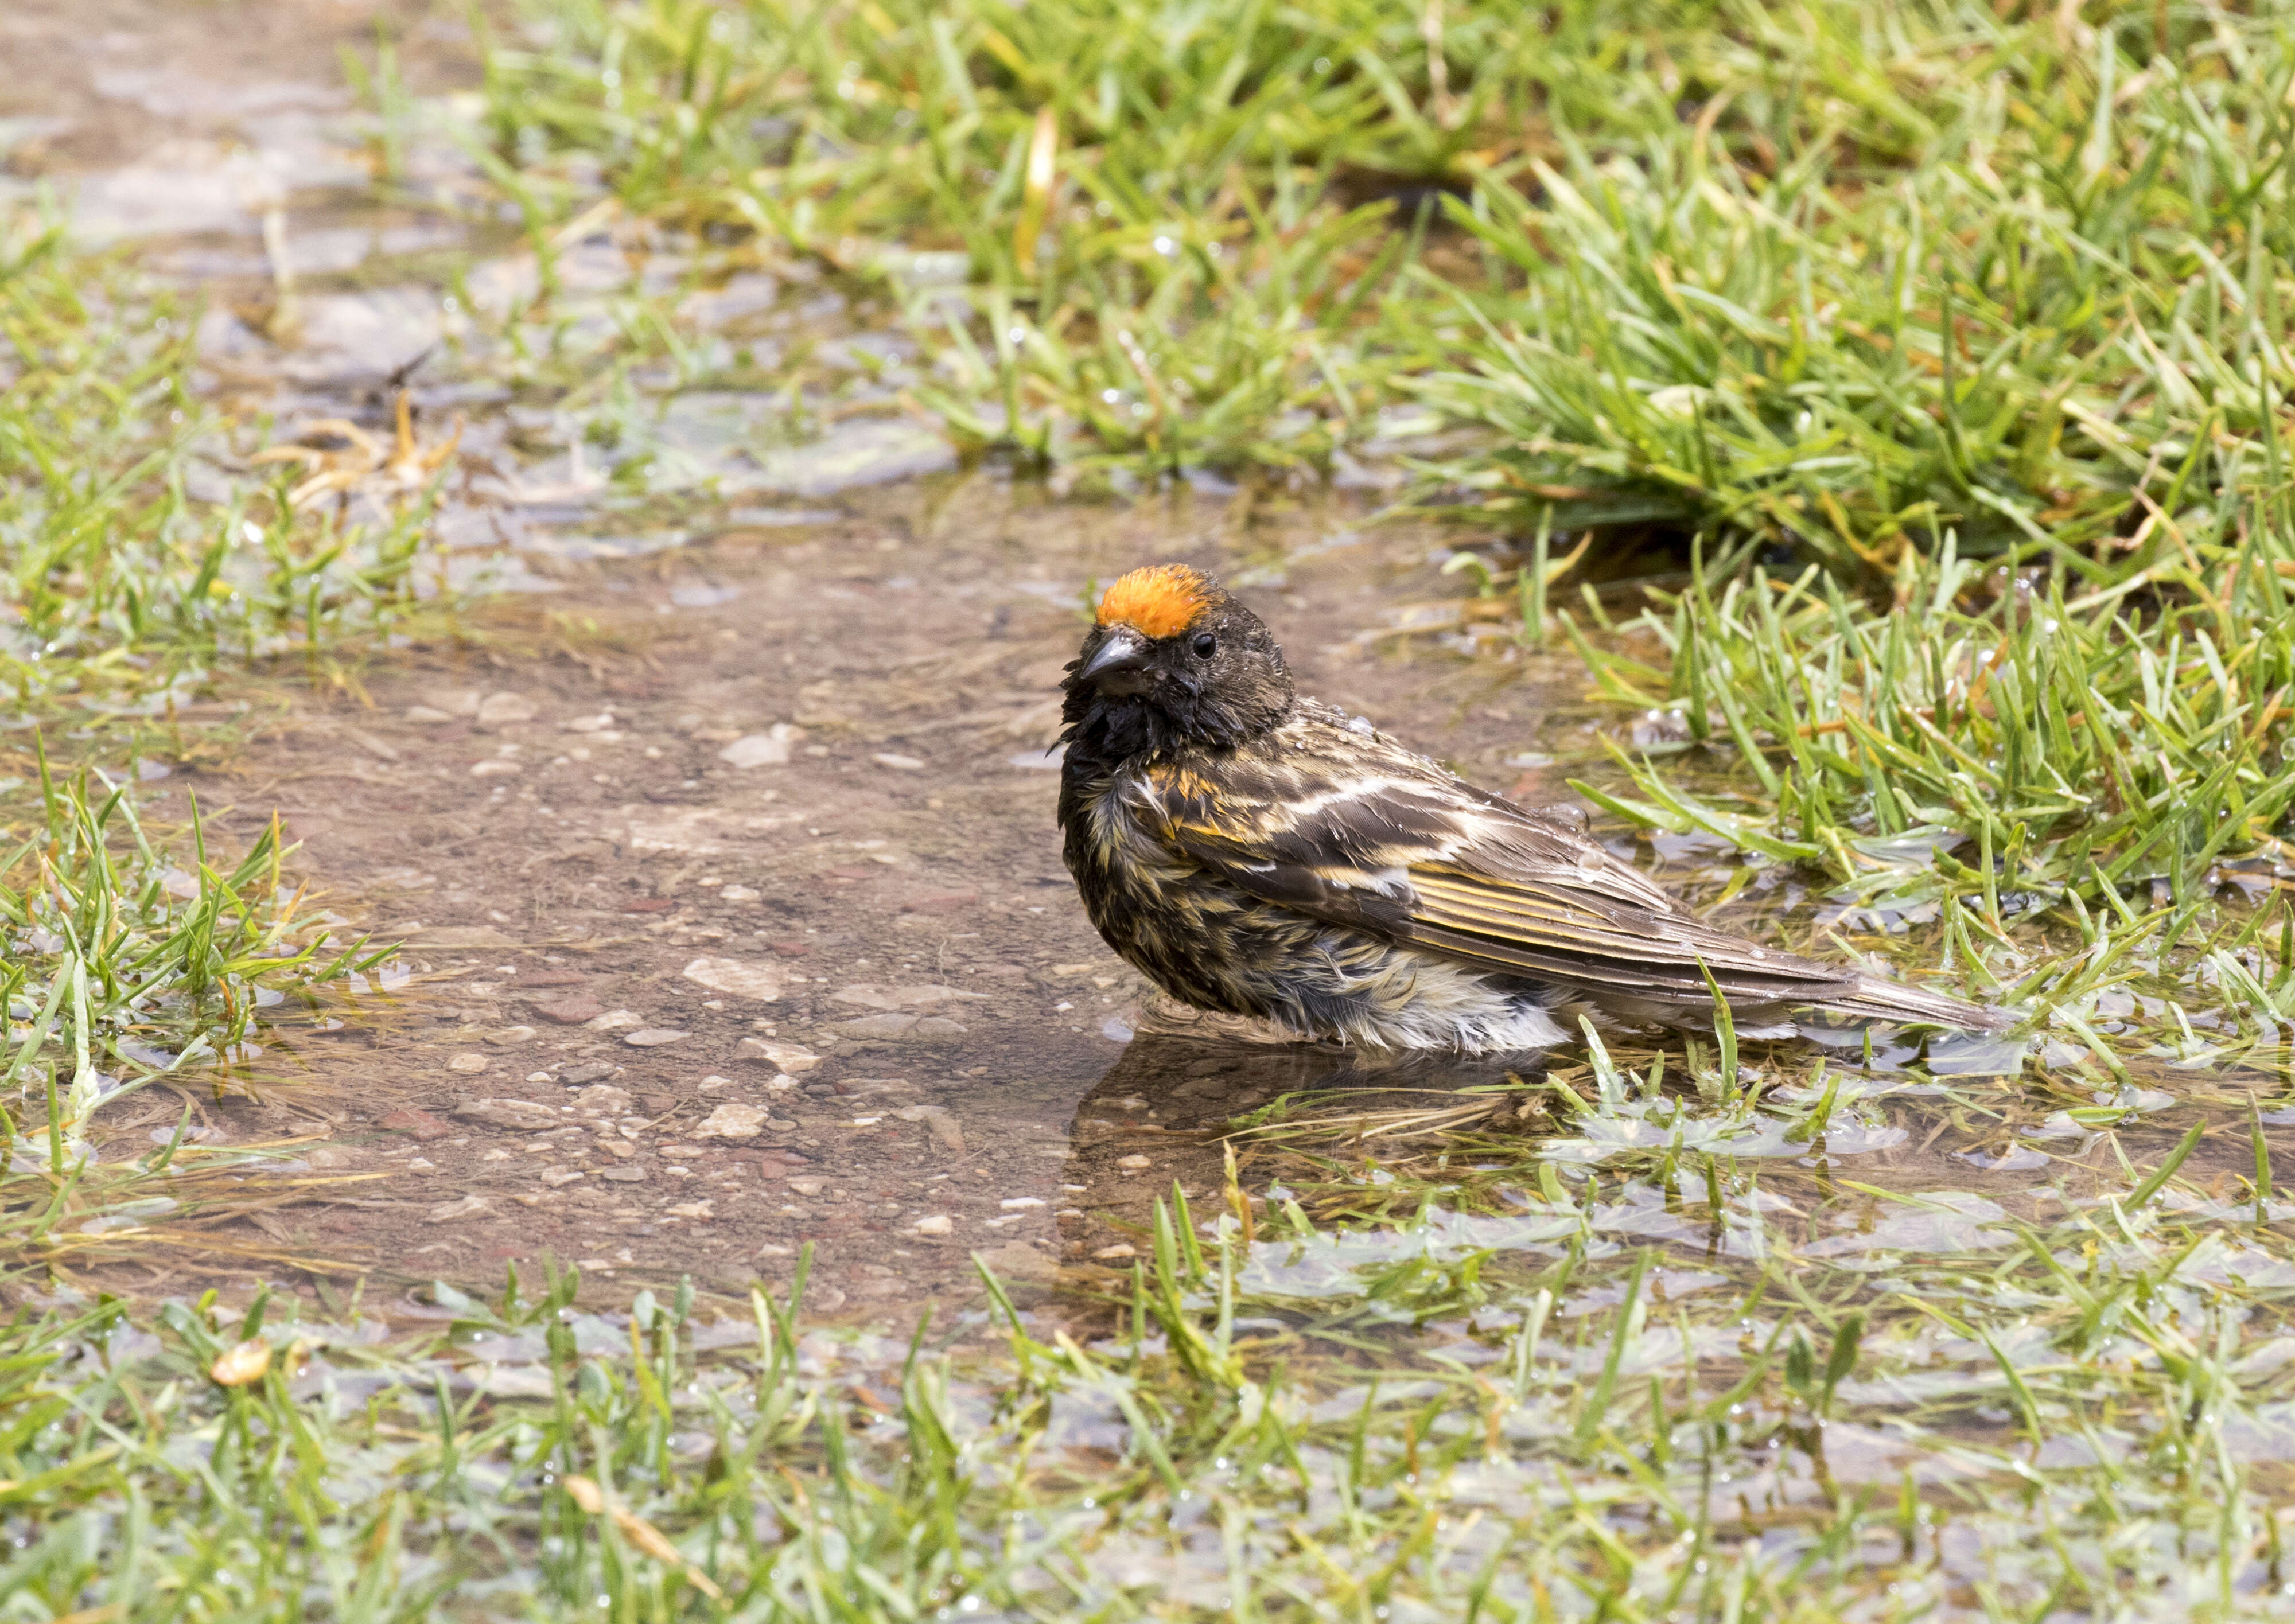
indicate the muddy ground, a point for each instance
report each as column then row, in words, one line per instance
column 679, row 1013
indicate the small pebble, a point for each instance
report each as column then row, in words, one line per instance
column 416, row 1124
column 571, row 1011
column 789, row 1059
column 732, row 1121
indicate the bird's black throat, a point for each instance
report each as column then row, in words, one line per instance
column 1110, row 729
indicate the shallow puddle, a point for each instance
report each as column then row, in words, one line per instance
column 713, row 954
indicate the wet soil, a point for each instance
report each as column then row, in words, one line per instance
column 180, row 123
column 675, row 1013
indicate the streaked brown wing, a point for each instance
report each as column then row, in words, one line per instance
column 1357, row 831
column 1565, row 933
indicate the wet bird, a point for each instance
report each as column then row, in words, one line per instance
column 1261, row 854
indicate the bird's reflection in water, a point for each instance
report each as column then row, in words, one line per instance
column 1163, row 1113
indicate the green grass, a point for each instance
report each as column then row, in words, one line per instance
column 1155, row 271
column 1842, row 280
column 1906, row 273
column 124, row 967
column 2014, row 747
column 1503, row 1407
column 124, row 589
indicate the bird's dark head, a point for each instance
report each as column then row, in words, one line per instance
column 1171, row 659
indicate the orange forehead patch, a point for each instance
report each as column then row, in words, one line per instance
column 1162, row 600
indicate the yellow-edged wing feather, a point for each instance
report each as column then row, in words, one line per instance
column 1352, row 829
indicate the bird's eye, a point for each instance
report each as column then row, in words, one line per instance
column 1205, row 646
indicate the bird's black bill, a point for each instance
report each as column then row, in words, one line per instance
column 1125, row 650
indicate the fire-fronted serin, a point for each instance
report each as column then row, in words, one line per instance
column 1264, row 855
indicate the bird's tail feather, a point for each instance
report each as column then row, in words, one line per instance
column 1874, row 998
